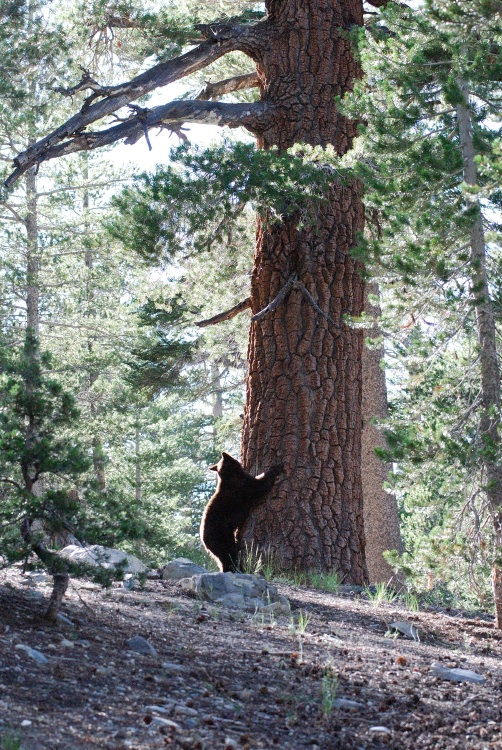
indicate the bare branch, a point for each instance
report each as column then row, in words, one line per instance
column 227, row 315
column 116, row 97
column 293, row 283
column 277, row 300
column 228, row 86
column 177, row 112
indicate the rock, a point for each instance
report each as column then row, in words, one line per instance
column 347, row 588
column 106, row 557
column 180, row 568
column 33, row 653
column 183, row 710
column 456, row 675
column 161, row 722
column 173, row 668
column 347, row 705
column 40, row 577
column 64, row 620
column 141, row 646
column 129, row 582
column 26, row 723
column 380, row 730
column 406, row 629
column 238, row 591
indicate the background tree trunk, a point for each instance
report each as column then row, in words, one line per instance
column 304, row 382
column 489, row 423
column 381, row 517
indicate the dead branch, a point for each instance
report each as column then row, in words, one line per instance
column 116, row 97
column 227, row 315
column 132, row 129
column 293, row 283
column 228, row 86
column 277, row 300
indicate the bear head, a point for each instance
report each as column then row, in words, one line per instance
column 227, row 466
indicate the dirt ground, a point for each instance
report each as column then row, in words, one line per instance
column 223, row 679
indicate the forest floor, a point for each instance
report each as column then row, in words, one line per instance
column 223, row 679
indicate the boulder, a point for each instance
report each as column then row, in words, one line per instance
column 180, row 568
column 141, row 646
column 456, row 675
column 106, row 557
column 237, row 591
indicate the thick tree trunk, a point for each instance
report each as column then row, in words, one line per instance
column 489, row 423
column 304, row 382
column 381, row 516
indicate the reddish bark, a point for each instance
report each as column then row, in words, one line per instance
column 304, row 383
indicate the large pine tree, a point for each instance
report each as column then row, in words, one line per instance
column 304, row 381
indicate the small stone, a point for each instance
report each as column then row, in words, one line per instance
column 88, row 586
column 161, row 722
column 129, row 582
column 65, row 620
column 141, row 646
column 380, row 730
column 184, row 710
column 347, row 705
column 67, row 644
column 456, row 675
column 40, row 577
column 230, row 743
column 33, row 653
column 406, row 629
column 26, row 723
column 172, row 667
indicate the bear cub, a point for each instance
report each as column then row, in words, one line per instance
column 237, row 492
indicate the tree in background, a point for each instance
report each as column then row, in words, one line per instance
column 36, row 445
column 66, row 288
column 434, row 97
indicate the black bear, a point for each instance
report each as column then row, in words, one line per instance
column 237, row 492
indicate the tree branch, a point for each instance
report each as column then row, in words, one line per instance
column 228, row 86
column 277, row 300
column 116, row 97
column 293, row 283
column 132, row 129
column 227, row 315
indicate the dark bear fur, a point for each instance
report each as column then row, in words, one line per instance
column 237, row 493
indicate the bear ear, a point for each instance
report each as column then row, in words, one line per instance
column 213, row 468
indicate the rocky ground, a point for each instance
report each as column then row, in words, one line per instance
column 219, row 679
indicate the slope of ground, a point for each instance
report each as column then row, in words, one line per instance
column 224, row 679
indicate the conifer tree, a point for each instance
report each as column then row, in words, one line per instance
column 432, row 100
column 304, row 374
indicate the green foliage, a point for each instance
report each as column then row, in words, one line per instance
column 198, row 201
column 329, row 688
column 381, row 594
column 163, row 353
column 35, row 447
column 418, row 245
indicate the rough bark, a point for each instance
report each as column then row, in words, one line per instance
column 98, row 456
column 304, row 382
column 489, row 423
column 32, row 256
column 381, row 517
